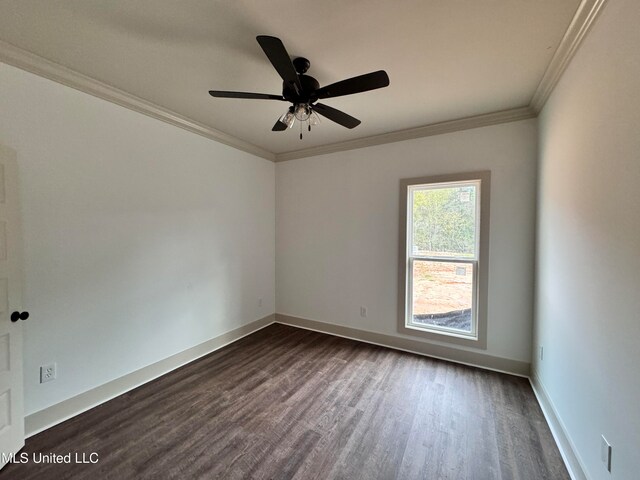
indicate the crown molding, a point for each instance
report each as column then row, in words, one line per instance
column 484, row 120
column 580, row 25
column 17, row 57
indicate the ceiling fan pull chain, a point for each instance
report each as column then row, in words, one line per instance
column 300, row 130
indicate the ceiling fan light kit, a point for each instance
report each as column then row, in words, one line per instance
column 303, row 91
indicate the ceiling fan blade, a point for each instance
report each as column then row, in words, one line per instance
column 336, row 115
column 279, row 58
column 279, row 126
column 255, row 96
column 361, row 83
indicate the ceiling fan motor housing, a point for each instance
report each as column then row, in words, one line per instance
column 309, row 86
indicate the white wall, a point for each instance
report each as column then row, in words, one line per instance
column 141, row 239
column 588, row 295
column 337, row 229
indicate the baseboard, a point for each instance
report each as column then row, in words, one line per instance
column 55, row 414
column 466, row 357
column 563, row 441
column 50, row 416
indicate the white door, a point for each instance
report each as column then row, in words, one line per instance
column 11, row 401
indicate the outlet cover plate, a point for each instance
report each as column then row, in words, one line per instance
column 47, row 373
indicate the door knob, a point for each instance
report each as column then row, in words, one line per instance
column 15, row 316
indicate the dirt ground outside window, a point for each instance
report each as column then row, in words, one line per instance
column 443, row 294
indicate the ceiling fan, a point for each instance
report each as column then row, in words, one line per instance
column 304, row 91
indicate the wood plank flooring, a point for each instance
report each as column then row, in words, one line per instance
column 287, row 403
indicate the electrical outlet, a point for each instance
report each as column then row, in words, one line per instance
column 605, row 453
column 363, row 312
column 47, row 373
column 260, row 302
column 541, row 353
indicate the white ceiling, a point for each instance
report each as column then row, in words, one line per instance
column 446, row 59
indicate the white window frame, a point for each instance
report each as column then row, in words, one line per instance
column 479, row 262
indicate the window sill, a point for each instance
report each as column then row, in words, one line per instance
column 445, row 336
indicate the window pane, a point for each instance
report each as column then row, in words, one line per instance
column 442, row 294
column 444, row 221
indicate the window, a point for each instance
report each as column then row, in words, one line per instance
column 443, row 259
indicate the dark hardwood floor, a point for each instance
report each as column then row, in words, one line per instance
column 290, row 403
